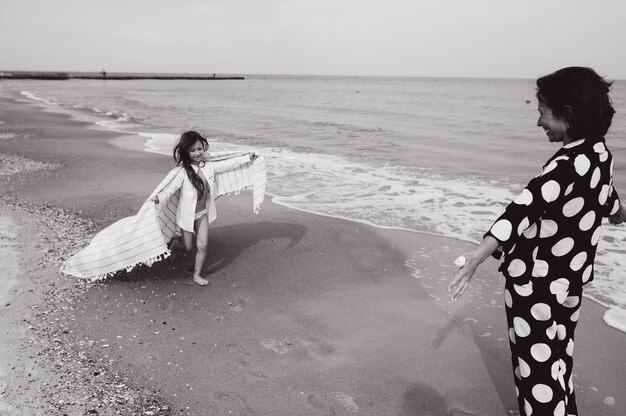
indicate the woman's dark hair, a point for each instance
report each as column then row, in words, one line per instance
column 580, row 96
column 181, row 156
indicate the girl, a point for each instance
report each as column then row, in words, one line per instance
column 185, row 199
column 196, row 182
column 549, row 235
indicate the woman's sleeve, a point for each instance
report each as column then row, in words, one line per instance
column 531, row 204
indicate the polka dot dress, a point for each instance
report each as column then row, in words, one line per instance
column 549, row 235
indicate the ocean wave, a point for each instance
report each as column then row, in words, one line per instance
column 118, row 115
column 34, row 97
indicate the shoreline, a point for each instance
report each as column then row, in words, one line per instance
column 304, row 315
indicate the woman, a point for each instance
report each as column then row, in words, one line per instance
column 549, row 235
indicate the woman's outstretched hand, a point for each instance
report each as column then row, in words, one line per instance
column 467, row 266
column 468, row 263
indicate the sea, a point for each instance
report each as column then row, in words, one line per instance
column 442, row 156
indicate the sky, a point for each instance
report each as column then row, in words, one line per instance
column 440, row 38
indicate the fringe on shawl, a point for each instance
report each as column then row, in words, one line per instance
column 147, row 262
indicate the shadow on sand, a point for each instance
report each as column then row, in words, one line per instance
column 226, row 244
column 497, row 362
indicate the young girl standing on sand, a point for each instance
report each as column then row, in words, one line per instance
column 549, row 235
column 196, row 181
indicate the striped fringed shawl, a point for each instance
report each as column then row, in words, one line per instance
column 143, row 238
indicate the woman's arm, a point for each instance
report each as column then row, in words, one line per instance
column 473, row 259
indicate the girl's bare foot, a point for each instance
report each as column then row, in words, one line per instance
column 201, row 281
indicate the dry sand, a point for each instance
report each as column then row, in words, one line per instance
column 305, row 315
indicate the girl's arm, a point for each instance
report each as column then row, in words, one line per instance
column 234, row 162
column 171, row 187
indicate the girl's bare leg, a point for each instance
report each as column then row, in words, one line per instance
column 186, row 241
column 202, row 235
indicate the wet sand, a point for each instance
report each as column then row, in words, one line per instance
column 304, row 315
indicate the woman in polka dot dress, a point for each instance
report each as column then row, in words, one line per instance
column 549, row 235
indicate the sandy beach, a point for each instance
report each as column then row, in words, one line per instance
column 304, row 314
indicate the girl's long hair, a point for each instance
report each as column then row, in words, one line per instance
column 181, row 156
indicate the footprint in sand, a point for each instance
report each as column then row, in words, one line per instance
column 346, row 401
column 460, row 412
column 276, row 346
column 234, row 306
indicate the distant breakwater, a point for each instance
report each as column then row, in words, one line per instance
column 108, row 76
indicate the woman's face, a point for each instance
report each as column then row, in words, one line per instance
column 195, row 152
column 554, row 126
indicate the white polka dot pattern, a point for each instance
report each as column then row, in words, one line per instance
column 560, row 289
column 582, row 164
column 573, row 207
column 548, row 228
column 540, row 352
column 578, row 261
column 569, row 189
column 595, row 178
column 604, row 194
column 541, row 312
column 599, row 147
column 560, row 332
column 550, row 191
column 595, row 237
column 542, row 393
column 522, row 329
column 502, row 230
column 523, row 225
column 525, row 198
column 524, row 369
column 615, row 207
column 603, row 156
column 562, row 247
column 524, row 290
column 587, row 221
column 540, row 269
column 559, row 410
column 587, row 273
column 571, row 301
column 516, row 268
column 549, row 235
column 549, row 168
column 530, row 232
column 528, row 409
